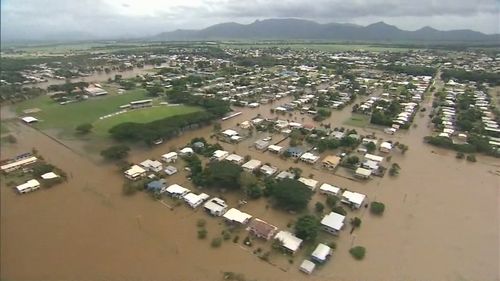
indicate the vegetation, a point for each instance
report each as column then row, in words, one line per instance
column 478, row 76
column 307, row 227
column 319, row 207
column 216, row 242
column 394, row 170
column 377, row 208
column 414, row 70
column 475, row 143
column 223, row 174
column 84, row 128
column 115, row 152
column 471, row 158
column 358, row 252
column 290, row 194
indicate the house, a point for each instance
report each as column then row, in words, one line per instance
column 312, row 184
column 385, row 147
column 374, row 157
column 294, row 152
column 135, row 172
column 261, row 229
column 157, row 185
column 235, row 158
column 229, row 133
column 219, row 155
column 19, row 163
column 236, row 216
column 95, row 91
column 268, row 170
column 285, row 175
column 215, row 207
column 370, row 165
column 152, row 165
column 309, row 158
column 353, row 199
column 321, row 253
column 333, row 223
column 170, row 157
column 330, row 162
column 307, row 266
column 251, row 165
column 186, row 151
column 261, row 144
column 245, row 124
column 289, row 242
column 176, row 191
column 170, row 170
column 28, row 186
column 195, row 200
column 329, row 189
column 363, row 173
column 275, row 148
column 29, row 119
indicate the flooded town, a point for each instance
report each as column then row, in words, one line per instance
column 249, row 161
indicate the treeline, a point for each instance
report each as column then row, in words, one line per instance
column 477, row 76
column 67, row 87
column 15, row 93
column 165, row 128
column 215, row 106
column 265, row 61
column 475, row 143
column 414, row 70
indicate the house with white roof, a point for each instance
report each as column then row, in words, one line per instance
column 268, row 170
column 28, row 186
column 234, row 215
column 195, row 200
column 312, row 184
column 275, row 149
column 152, row 165
column 251, row 165
column 235, row 158
column 176, row 191
column 170, row 157
column 385, row 147
column 186, row 151
column 307, row 266
column 289, row 242
column 328, row 189
column 309, row 158
column 353, row 199
column 215, row 207
column 333, row 223
column 219, row 155
column 321, row 253
column 135, row 172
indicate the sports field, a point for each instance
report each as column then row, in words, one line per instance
column 143, row 115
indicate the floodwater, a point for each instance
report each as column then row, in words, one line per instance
column 441, row 220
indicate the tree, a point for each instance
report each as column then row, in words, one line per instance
column 115, row 152
column 332, row 201
column 352, row 160
column 296, row 171
column 84, row 128
column 247, row 179
column 394, row 170
column 307, row 227
column 41, row 168
column 319, row 207
column 217, row 127
column 358, row 252
column 471, row 158
column 254, row 192
column 377, row 208
column 339, row 210
column 223, row 174
column 370, row 147
column 355, row 222
column 290, row 194
column 403, row 148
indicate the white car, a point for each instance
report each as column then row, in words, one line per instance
column 267, row 138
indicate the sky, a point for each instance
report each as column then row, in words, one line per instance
column 115, row 19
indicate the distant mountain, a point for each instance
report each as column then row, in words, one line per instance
column 289, row 29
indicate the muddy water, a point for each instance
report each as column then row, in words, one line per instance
column 441, row 220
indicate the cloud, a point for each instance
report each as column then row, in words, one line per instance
column 37, row 19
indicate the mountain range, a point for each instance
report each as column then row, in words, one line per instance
column 298, row 29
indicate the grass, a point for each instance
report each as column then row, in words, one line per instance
column 143, row 115
column 67, row 117
column 357, row 120
column 3, row 129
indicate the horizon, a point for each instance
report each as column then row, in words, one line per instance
column 132, row 19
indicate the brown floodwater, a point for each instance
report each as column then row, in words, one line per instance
column 441, row 220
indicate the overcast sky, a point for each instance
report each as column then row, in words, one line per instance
column 36, row 19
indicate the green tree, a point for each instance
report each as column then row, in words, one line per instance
column 254, row 192
column 247, row 179
column 290, row 194
column 370, row 147
column 319, row 207
column 115, row 152
column 355, row 222
column 223, row 174
column 332, row 201
column 358, row 252
column 84, row 128
column 377, row 208
column 307, row 227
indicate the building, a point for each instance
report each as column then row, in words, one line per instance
column 261, row 229
column 29, row 119
column 375, row 158
column 289, row 242
column 333, row 223
column 95, row 91
column 28, row 186
column 307, row 266
column 135, row 172
column 235, row 158
column 294, row 152
column 321, row 253
column 251, row 165
column 275, row 148
column 219, row 155
column 170, row 157
column 141, row 103
column 261, row 144
column 176, row 191
column 215, row 207
column 353, row 199
column 328, row 189
column 170, row 170
column 49, row 176
column 195, row 200
column 268, row 170
column 157, row 185
column 385, row 147
column 363, row 173
column 310, row 183
column 229, row 133
column 309, row 158
column 186, row 151
column 152, row 165
column 330, row 162
column 236, row 216
column 285, row 175
column 19, row 163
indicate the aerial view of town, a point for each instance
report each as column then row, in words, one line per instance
column 250, row 140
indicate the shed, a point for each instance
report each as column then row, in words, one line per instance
column 29, row 119
column 385, row 147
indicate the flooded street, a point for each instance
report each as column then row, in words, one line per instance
column 441, row 220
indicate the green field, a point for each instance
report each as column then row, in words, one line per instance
column 144, row 115
column 357, row 120
column 66, row 117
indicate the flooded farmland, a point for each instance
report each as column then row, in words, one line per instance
column 441, row 220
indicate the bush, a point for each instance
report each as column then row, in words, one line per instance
column 319, row 207
column 202, row 233
column 115, row 152
column 201, row 223
column 460, row 155
column 254, row 192
column 471, row 158
column 216, row 242
column 307, row 227
column 84, row 128
column 377, row 208
column 332, row 201
column 226, row 235
column 339, row 210
column 356, row 222
column 358, row 252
